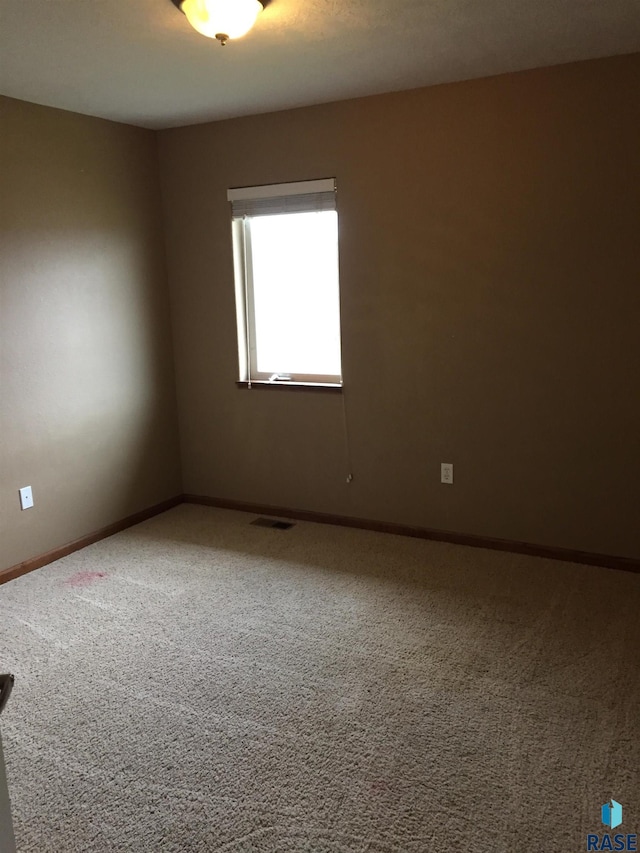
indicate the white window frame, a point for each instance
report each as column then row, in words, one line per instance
column 280, row 196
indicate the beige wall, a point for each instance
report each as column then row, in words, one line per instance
column 87, row 415
column 490, row 274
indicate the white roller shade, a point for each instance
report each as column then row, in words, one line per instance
column 301, row 197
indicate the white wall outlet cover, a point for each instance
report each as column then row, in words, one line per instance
column 446, row 473
column 26, row 497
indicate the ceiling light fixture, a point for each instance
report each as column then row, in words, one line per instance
column 221, row 19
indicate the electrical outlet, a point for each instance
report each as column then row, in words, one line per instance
column 26, row 497
column 446, row 473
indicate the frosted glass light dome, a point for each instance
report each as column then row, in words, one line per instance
column 222, row 19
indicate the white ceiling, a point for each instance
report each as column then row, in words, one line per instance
column 139, row 61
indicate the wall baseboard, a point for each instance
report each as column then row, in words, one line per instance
column 628, row 564
column 64, row 550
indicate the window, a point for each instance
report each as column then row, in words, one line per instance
column 285, row 240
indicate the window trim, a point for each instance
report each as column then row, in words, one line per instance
column 322, row 387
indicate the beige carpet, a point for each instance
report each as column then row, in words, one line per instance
column 200, row 684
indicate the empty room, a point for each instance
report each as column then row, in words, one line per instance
column 319, row 426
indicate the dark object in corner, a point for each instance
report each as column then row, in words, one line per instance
column 6, row 686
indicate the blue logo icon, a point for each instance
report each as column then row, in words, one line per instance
column 612, row 814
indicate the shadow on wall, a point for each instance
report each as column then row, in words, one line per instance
column 89, row 414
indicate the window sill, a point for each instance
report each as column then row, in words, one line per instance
column 323, row 387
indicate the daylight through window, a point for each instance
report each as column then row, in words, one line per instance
column 287, row 290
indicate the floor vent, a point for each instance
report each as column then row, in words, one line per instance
column 271, row 522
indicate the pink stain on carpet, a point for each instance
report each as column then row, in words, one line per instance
column 84, row 578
